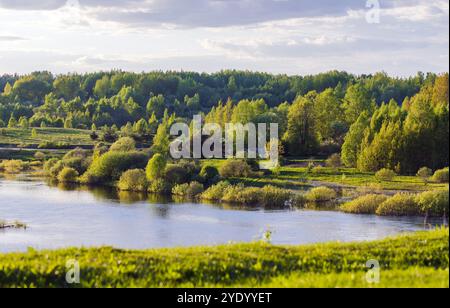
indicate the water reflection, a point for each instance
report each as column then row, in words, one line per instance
column 71, row 215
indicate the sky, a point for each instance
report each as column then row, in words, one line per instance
column 294, row 37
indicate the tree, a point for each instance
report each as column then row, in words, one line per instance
column 353, row 140
column 102, row 87
column 124, row 144
column 23, row 123
column 68, row 123
column 156, row 167
column 300, row 137
column 34, row 133
column 31, row 89
column 12, row 123
column 424, row 174
column 328, row 113
column 357, row 100
column 141, row 127
column 8, row 89
column 67, row 87
column 156, row 105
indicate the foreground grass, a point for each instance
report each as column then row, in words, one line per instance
column 416, row 260
column 23, row 137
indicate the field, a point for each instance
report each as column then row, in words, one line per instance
column 295, row 175
column 24, row 138
column 415, row 260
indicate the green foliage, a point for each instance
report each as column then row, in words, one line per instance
column 13, row 166
column 124, row 144
column 191, row 190
column 321, row 194
column 399, row 205
column 133, row 180
column 156, row 167
column 209, row 174
column 424, row 173
column 68, row 175
column 256, row 264
column 334, row 161
column 434, row 203
column 385, row 175
column 367, row 204
column 216, row 192
column 160, row 186
column 301, row 137
column 110, row 166
column 267, row 196
column 235, row 168
column 441, row 176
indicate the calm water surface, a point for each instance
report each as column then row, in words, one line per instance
column 59, row 218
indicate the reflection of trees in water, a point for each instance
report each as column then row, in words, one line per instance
column 128, row 197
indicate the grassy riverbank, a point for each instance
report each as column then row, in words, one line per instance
column 415, row 260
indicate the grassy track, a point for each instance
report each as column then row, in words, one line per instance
column 415, row 260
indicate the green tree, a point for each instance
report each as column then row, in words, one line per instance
column 353, row 140
column 357, row 100
column 300, row 137
column 156, row 167
column 102, row 87
column 23, row 123
column 12, row 123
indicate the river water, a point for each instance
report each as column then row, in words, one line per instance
column 60, row 217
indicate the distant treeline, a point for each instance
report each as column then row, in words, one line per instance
column 378, row 121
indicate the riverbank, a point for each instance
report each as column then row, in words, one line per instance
column 413, row 260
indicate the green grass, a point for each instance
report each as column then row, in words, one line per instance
column 297, row 177
column 353, row 177
column 402, row 259
column 14, row 136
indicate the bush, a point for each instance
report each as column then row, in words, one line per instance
column 334, row 161
column 209, row 175
column 385, row 175
column 216, row 192
column 53, row 145
column 321, row 194
column 424, row 173
column 242, row 195
column 156, row 167
column 125, row 144
column 433, row 203
column 56, row 169
column 13, row 166
column 159, row 186
column 183, row 172
column 399, row 205
column 48, row 165
column 233, row 168
column 39, row 156
column 441, row 176
column 133, row 180
column 68, row 175
column 271, row 196
column 110, row 166
column 367, row 204
column 299, row 201
column 191, row 190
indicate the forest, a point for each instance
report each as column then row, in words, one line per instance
column 372, row 121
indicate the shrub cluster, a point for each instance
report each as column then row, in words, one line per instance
column 190, row 190
column 441, row 176
column 321, row 194
column 234, row 168
column 13, row 166
column 385, row 175
column 268, row 196
column 431, row 203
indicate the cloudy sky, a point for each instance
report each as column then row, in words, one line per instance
column 278, row 36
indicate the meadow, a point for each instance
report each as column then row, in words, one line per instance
column 411, row 260
column 18, row 137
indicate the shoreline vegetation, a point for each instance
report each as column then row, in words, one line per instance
column 410, row 260
column 12, row 225
column 126, row 168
